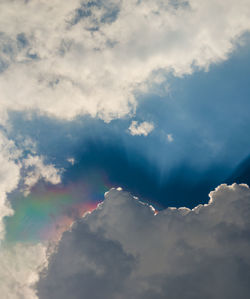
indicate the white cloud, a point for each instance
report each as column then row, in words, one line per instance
column 124, row 250
column 35, row 169
column 143, row 128
column 71, row 161
column 20, row 263
column 19, row 268
column 17, row 170
column 90, row 58
column 9, row 176
column 170, row 138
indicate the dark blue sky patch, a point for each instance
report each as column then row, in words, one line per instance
column 22, row 41
column 182, row 186
column 123, row 159
column 241, row 173
column 108, row 13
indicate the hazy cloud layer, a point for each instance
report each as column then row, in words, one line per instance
column 123, row 250
column 90, row 57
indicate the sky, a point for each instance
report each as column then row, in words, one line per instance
column 124, row 149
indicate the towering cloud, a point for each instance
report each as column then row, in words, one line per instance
column 126, row 250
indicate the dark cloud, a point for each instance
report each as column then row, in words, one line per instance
column 122, row 250
column 86, row 265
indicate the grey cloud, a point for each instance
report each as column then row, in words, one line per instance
column 86, row 265
column 124, row 250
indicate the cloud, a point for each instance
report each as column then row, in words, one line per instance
column 126, row 250
column 143, row 128
column 93, row 57
column 19, row 268
column 20, row 263
column 71, row 161
column 170, row 138
column 64, row 59
column 9, row 176
column 35, row 169
column 19, row 170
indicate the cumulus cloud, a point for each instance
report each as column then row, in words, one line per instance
column 90, row 57
column 19, row 268
column 69, row 58
column 124, row 249
column 143, row 128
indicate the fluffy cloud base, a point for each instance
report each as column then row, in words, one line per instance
column 91, row 57
column 126, row 250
